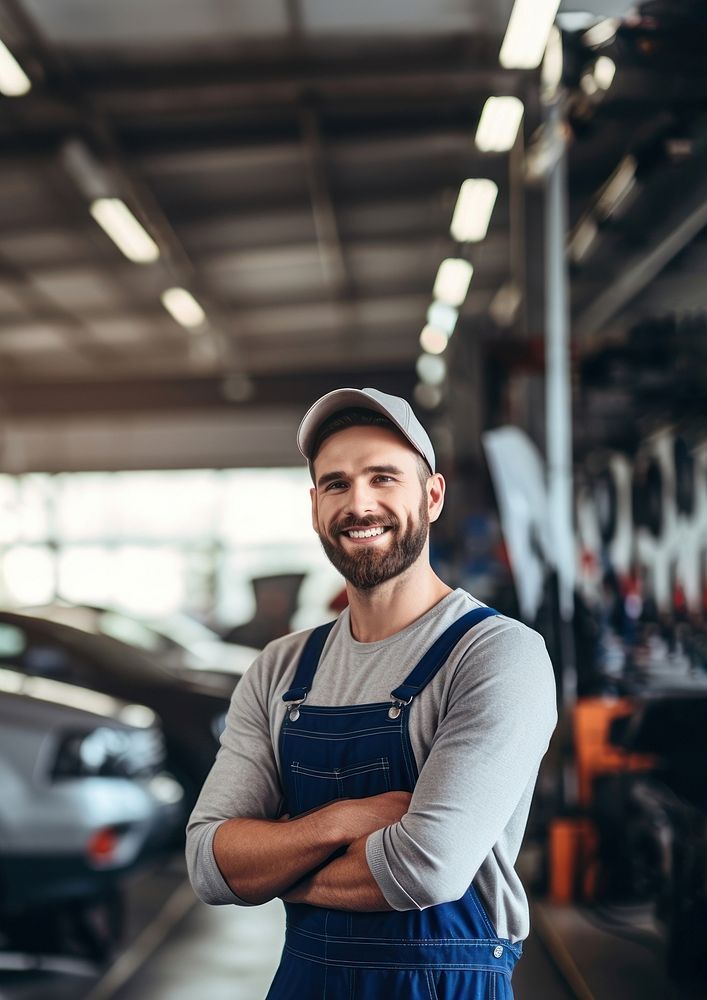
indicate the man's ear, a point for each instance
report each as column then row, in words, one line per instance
column 435, row 487
column 315, row 510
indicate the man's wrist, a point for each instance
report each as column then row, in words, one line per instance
column 324, row 826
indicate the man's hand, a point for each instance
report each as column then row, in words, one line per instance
column 260, row 859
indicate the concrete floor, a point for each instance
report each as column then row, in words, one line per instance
column 179, row 949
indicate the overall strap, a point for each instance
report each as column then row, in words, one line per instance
column 436, row 656
column 308, row 662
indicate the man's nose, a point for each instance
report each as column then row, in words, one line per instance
column 360, row 498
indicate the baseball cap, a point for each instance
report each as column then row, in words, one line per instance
column 395, row 408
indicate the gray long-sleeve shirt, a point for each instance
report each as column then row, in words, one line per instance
column 479, row 731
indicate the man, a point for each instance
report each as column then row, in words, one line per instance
column 376, row 773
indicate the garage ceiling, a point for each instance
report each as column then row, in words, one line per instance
column 297, row 162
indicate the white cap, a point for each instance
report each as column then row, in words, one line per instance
column 395, row 408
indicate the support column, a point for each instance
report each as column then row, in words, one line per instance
column 558, row 405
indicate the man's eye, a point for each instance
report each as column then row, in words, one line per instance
column 384, row 479
column 335, row 486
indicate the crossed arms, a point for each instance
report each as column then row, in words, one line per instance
column 479, row 763
column 261, row 859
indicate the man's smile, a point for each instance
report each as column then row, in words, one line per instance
column 364, row 534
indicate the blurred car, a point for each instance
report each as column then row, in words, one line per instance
column 86, row 799
column 191, row 706
column 178, row 640
column 653, row 824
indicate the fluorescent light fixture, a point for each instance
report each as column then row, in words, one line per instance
column 118, row 222
column 442, row 316
column 604, row 72
column 527, row 33
column 618, row 187
column 452, row 281
column 183, row 307
column 472, row 213
column 14, row 82
column 588, row 83
column 433, row 340
column 601, row 33
column 499, row 124
column 430, row 369
column 553, row 64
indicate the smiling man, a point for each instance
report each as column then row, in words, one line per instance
column 376, row 773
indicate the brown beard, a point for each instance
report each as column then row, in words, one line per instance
column 367, row 568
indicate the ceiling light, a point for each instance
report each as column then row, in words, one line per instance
column 452, row 281
column 553, row 65
column 617, row 188
column 498, row 125
column 433, row 340
column 442, row 316
column 183, row 307
column 472, row 213
column 604, row 72
column 116, row 219
column 527, row 33
column 431, row 369
column 429, row 396
column 14, row 82
column 601, row 33
column 588, row 83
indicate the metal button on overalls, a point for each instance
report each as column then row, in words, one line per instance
column 327, row 753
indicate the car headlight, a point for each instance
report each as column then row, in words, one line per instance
column 108, row 753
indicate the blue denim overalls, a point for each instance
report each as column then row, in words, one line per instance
column 444, row 951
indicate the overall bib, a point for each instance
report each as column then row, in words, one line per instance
column 445, row 951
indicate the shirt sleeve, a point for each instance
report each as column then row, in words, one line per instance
column 485, row 756
column 243, row 782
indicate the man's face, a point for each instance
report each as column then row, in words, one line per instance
column 368, row 506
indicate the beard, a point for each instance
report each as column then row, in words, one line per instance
column 368, row 567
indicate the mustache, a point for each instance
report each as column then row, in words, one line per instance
column 347, row 523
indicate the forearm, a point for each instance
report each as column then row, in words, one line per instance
column 345, row 883
column 260, row 858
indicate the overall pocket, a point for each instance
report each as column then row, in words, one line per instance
column 314, row 787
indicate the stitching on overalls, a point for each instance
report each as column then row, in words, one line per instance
column 493, row 985
column 431, row 988
column 400, row 966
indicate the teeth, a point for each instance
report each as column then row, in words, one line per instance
column 368, row 533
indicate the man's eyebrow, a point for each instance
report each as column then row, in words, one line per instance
column 332, row 477
column 391, row 470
